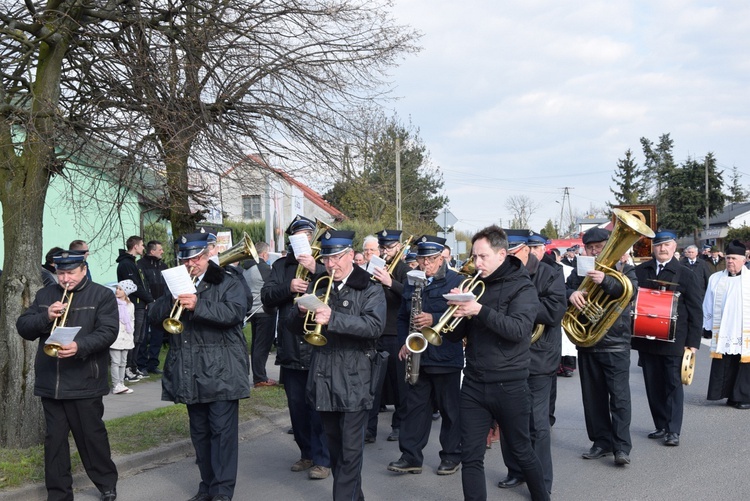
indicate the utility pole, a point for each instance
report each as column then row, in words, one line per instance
column 399, row 223
column 566, row 196
column 705, row 165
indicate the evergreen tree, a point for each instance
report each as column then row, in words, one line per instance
column 628, row 179
column 737, row 193
column 549, row 230
column 658, row 166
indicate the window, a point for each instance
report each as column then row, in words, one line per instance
column 251, row 208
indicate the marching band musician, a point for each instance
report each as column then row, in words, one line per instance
column 661, row 361
column 391, row 382
column 207, row 366
column 440, row 368
column 605, row 367
column 293, row 353
column 545, row 355
column 344, row 371
column 72, row 385
column 498, row 328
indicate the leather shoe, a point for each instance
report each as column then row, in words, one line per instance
column 657, row 434
column 672, row 439
column 201, row 496
column 221, row 497
column 741, row 405
column 595, row 452
column 447, row 467
column 404, row 466
column 393, row 437
column 622, row 458
column 109, row 495
column 510, row 482
column 369, row 438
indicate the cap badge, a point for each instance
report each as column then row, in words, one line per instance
column 184, row 240
column 424, row 239
column 328, row 235
column 385, row 233
column 65, row 255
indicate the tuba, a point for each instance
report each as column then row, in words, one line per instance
column 313, row 331
column 415, row 342
column 588, row 326
column 244, row 249
column 447, row 323
column 52, row 348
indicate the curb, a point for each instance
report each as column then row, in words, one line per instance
column 132, row 464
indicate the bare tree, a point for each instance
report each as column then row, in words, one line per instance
column 522, row 208
column 171, row 88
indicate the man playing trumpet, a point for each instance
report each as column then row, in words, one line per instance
column 345, row 366
column 72, row 385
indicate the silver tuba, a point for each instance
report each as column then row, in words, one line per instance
column 416, row 343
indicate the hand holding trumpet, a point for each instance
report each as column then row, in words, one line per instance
column 187, row 301
column 56, row 310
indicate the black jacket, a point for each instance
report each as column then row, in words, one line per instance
column 617, row 337
column 700, row 268
column 498, row 338
column 151, row 268
column 208, row 361
column 341, row 375
column 550, row 286
column 689, row 307
column 393, row 296
column 292, row 351
column 448, row 354
column 128, row 269
column 93, row 308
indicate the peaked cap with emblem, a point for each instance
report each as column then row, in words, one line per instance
column 300, row 223
column 429, row 245
column 69, row 259
column 387, row 237
column 517, row 238
column 191, row 245
column 334, row 242
column 664, row 236
column 536, row 239
column 410, row 257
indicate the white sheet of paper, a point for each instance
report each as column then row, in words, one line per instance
column 415, row 276
column 585, row 264
column 461, row 297
column 309, row 301
column 300, row 244
column 63, row 335
column 375, row 262
column 178, row 280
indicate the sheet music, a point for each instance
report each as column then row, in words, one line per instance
column 63, row 335
column 178, row 280
column 375, row 262
column 585, row 264
column 300, row 244
column 416, row 276
column 309, row 301
column 460, row 297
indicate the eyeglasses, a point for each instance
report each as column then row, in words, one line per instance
column 429, row 259
column 388, row 247
column 333, row 259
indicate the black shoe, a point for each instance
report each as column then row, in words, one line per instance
column 393, row 437
column 369, row 438
column 447, row 467
column 510, row 482
column 622, row 458
column 657, row 434
column 404, row 466
column 155, row 371
column 742, row 405
column 221, row 497
column 290, row 431
column 595, row 453
column 109, row 495
column 672, row 439
column 201, row 496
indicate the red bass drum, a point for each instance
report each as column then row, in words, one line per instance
column 655, row 314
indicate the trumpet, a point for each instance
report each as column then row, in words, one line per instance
column 172, row 323
column 51, row 349
column 447, row 322
column 313, row 331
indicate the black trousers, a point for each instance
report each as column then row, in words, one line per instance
column 264, row 332
column 662, row 375
column 539, row 429
column 605, row 387
column 415, row 428
column 139, row 328
column 148, row 353
column 510, row 405
column 214, row 432
column 82, row 417
column 390, row 384
column 346, row 441
column 306, row 423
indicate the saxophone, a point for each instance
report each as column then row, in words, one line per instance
column 415, row 342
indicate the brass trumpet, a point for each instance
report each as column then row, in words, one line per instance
column 51, row 349
column 447, row 323
column 313, row 331
column 172, row 323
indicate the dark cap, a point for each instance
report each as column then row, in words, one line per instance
column 410, row 257
column 663, row 236
column 535, row 240
column 300, row 223
column 595, row 235
column 69, row 259
column 706, row 247
column 334, row 242
column 193, row 244
column 735, row 247
column 386, row 237
column 429, row 245
column 517, row 238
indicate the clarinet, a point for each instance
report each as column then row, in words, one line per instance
column 416, row 343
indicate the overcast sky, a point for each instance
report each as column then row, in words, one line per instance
column 527, row 97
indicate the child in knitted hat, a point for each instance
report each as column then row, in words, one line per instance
column 118, row 352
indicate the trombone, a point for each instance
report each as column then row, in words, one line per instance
column 51, row 349
column 172, row 323
column 447, row 323
column 313, row 331
column 391, row 267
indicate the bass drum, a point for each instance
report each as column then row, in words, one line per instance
column 655, row 314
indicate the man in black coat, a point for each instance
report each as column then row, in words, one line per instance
column 293, row 353
column 151, row 266
column 696, row 265
column 262, row 319
column 72, row 384
column 439, row 367
column 545, row 353
column 605, row 367
column 207, row 366
column 661, row 361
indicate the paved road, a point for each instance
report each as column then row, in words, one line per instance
column 711, row 461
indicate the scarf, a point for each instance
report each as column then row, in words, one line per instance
column 124, row 312
column 730, row 338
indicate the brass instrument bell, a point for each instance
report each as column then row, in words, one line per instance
column 52, row 349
